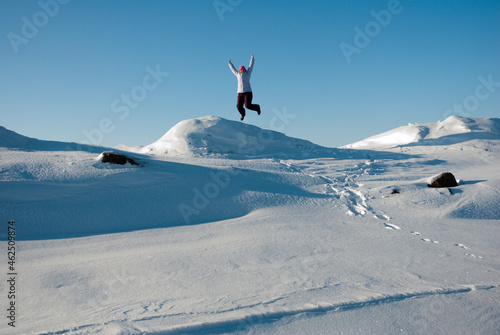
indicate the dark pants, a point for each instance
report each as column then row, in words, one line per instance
column 246, row 97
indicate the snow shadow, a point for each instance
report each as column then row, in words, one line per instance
column 246, row 323
column 160, row 195
column 471, row 182
column 453, row 139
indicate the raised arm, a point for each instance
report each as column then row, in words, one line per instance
column 250, row 67
column 231, row 66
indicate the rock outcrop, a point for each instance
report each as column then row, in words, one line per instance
column 114, row 158
column 445, row 179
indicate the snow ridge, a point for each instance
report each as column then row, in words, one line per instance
column 11, row 140
column 215, row 136
column 246, row 322
column 452, row 130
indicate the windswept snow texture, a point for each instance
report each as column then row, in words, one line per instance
column 227, row 228
column 453, row 130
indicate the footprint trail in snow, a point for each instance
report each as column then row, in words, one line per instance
column 341, row 182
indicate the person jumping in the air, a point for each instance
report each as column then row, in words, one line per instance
column 245, row 94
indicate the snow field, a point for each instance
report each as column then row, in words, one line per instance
column 284, row 241
column 265, row 265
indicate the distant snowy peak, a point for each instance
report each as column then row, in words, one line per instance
column 210, row 135
column 452, row 130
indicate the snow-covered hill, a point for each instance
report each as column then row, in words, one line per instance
column 162, row 193
column 227, row 228
column 215, row 136
column 453, row 130
column 12, row 140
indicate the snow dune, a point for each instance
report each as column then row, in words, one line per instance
column 453, row 130
column 227, row 228
column 84, row 196
column 212, row 135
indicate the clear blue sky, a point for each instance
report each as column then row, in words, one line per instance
column 344, row 70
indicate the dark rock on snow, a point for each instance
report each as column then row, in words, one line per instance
column 111, row 157
column 445, row 179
